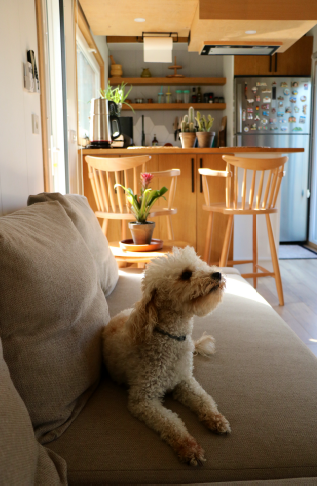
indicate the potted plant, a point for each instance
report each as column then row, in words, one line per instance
column 188, row 131
column 141, row 229
column 117, row 95
column 204, row 135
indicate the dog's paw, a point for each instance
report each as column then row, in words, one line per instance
column 218, row 423
column 190, row 452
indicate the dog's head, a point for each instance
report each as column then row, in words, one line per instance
column 181, row 282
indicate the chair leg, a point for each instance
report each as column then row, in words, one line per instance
column 208, row 239
column 226, row 243
column 104, row 226
column 170, row 232
column 123, row 230
column 276, row 267
column 255, row 251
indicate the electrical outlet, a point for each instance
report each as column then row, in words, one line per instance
column 35, row 124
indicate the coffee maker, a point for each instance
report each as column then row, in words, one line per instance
column 104, row 123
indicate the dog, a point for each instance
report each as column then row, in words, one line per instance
column 150, row 348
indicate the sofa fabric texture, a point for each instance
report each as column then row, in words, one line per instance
column 83, row 217
column 22, row 459
column 52, row 312
column 263, row 378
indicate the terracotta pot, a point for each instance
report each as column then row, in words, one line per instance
column 188, row 139
column 204, row 139
column 142, row 232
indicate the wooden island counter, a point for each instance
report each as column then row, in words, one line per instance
column 190, row 221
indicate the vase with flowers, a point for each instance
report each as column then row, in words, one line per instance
column 140, row 206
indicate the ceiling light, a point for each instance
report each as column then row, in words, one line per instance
column 139, row 20
column 250, row 31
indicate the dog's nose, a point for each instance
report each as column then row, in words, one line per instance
column 216, row 276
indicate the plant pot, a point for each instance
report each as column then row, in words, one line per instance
column 205, row 139
column 142, row 232
column 188, row 139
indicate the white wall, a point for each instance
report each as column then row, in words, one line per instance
column 228, row 91
column 101, row 43
column 21, row 166
column 161, row 123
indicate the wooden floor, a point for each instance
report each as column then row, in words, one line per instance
column 299, row 279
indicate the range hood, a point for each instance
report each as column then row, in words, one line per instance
column 238, row 49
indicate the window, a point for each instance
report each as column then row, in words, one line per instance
column 88, row 76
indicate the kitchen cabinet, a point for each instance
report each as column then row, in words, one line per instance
column 296, row 61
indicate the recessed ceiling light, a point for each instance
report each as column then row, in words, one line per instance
column 139, row 20
column 250, row 31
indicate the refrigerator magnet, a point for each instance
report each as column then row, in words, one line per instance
column 266, row 90
column 256, row 117
column 294, row 92
column 288, row 109
column 254, row 89
column 282, row 121
column 265, row 113
column 250, row 110
column 303, row 98
column 253, row 126
column 280, row 114
column 280, row 98
column 286, row 91
column 243, row 115
column 246, row 129
column 250, row 100
column 302, row 119
column 260, row 84
column 273, row 111
column 258, row 99
column 250, row 116
column 306, row 86
column 284, row 84
column 264, row 121
column 273, row 128
column 272, row 120
column 280, row 104
column 283, row 129
column 266, row 99
column 305, row 109
column 257, row 108
column 292, row 119
column 293, row 99
column 265, row 107
column 264, row 128
column 296, row 109
column 294, row 84
column 274, row 83
column 297, row 129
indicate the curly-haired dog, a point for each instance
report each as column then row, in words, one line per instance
column 150, row 348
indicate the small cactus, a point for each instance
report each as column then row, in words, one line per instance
column 203, row 125
column 188, row 122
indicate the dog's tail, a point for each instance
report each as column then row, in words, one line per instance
column 205, row 346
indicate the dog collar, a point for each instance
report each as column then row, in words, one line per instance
column 177, row 338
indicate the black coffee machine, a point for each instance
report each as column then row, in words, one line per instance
column 104, row 123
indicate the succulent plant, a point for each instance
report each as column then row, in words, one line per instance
column 188, row 122
column 203, row 124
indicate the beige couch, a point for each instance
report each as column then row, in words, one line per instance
column 263, row 378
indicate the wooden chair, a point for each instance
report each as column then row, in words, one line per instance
column 104, row 173
column 273, row 171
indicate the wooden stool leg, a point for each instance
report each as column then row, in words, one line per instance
column 104, row 226
column 255, row 251
column 276, row 266
column 226, row 243
column 208, row 239
column 170, row 232
column 123, row 230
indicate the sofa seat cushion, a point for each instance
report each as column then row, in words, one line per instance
column 83, row 217
column 52, row 311
column 22, row 459
column 263, row 378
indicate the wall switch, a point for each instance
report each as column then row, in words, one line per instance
column 35, row 124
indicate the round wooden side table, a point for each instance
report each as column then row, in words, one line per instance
column 143, row 256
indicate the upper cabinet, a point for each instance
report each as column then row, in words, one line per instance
column 296, row 61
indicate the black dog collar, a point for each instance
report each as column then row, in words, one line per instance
column 177, row 338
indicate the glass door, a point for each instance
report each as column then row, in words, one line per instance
column 313, row 200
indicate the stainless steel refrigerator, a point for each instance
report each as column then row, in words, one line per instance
column 275, row 112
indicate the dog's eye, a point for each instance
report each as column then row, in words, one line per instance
column 186, row 275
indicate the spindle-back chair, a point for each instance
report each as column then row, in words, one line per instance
column 261, row 199
column 105, row 172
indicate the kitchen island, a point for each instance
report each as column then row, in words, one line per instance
column 190, row 222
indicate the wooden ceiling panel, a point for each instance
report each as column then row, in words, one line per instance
column 116, row 17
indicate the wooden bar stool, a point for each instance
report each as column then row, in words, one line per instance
column 105, row 172
column 273, row 170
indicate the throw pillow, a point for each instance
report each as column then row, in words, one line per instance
column 22, row 459
column 52, row 312
column 83, row 217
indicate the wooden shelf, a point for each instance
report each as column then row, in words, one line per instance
column 169, row 81
column 175, row 106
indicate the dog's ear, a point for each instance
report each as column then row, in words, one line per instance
column 143, row 318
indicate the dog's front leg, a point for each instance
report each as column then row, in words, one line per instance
column 190, row 393
column 170, row 427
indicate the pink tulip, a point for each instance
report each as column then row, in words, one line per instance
column 146, row 178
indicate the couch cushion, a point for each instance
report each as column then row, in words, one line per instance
column 263, row 378
column 83, row 217
column 52, row 311
column 22, row 459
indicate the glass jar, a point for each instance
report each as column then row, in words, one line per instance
column 168, row 96
column 179, row 96
column 186, row 95
column 160, row 97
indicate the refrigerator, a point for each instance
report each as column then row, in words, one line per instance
column 275, row 112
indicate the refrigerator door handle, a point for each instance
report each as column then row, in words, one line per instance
column 239, row 110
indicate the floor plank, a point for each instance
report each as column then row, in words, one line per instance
column 299, row 278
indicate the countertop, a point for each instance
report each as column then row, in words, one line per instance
column 178, row 150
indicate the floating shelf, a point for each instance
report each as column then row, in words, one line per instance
column 168, row 81
column 175, row 106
